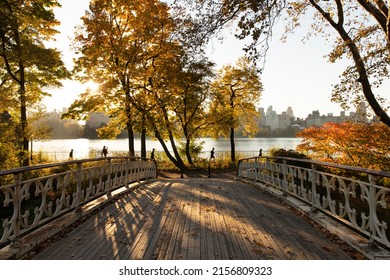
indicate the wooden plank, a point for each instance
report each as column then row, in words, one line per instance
column 162, row 244
column 235, row 218
column 234, row 214
column 118, row 222
column 223, row 229
column 286, row 240
column 174, row 245
column 140, row 216
column 210, row 249
column 291, row 229
column 261, row 244
column 267, row 223
column 140, row 243
column 185, row 229
column 219, row 239
column 101, row 245
column 193, row 249
column 197, row 218
column 166, row 241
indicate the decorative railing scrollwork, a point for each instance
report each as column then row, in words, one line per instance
column 32, row 196
column 357, row 197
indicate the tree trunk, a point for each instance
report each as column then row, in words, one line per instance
column 23, row 118
column 188, row 145
column 129, row 125
column 366, row 86
column 232, row 145
column 130, row 134
column 172, row 139
column 130, row 131
column 166, row 150
column 176, row 152
column 21, row 80
column 188, row 152
column 359, row 62
column 143, row 138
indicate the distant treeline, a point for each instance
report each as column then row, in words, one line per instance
column 71, row 129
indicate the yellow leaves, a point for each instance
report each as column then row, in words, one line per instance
column 87, row 102
column 111, row 130
column 236, row 90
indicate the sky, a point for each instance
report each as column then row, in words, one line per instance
column 296, row 74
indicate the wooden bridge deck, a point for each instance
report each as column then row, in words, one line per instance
column 195, row 218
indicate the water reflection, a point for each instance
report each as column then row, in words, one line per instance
column 82, row 148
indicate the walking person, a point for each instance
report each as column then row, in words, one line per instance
column 104, row 151
column 152, row 155
column 71, row 154
column 212, row 155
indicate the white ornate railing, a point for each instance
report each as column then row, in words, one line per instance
column 356, row 197
column 29, row 199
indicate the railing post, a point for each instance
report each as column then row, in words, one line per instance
column 139, row 170
column 17, row 207
column 313, row 186
column 285, row 183
column 109, row 179
column 156, row 169
column 238, row 168
column 79, row 185
column 127, row 173
column 267, row 170
column 372, row 206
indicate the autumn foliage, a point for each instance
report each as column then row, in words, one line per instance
column 355, row 144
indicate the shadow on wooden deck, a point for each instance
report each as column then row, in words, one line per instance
column 196, row 218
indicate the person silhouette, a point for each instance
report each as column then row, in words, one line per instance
column 71, row 153
column 212, row 154
column 104, row 151
column 261, row 153
column 152, row 155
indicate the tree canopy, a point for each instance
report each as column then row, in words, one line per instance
column 27, row 66
column 363, row 37
column 360, row 27
column 236, row 89
column 148, row 79
column 118, row 44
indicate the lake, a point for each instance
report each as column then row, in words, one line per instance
column 59, row 149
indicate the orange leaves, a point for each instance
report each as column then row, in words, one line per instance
column 356, row 144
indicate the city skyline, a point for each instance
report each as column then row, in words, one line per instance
column 289, row 113
column 322, row 113
column 271, row 123
column 295, row 74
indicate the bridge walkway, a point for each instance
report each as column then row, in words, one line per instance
column 195, row 219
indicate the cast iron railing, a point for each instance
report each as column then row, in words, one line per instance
column 357, row 197
column 32, row 196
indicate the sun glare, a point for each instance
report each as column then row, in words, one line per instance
column 92, row 86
